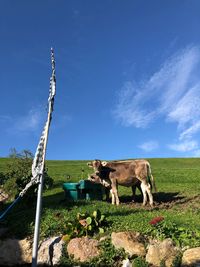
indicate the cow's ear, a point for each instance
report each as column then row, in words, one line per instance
column 89, row 164
column 104, row 163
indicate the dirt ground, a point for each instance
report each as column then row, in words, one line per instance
column 164, row 200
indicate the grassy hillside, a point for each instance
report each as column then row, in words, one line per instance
column 170, row 174
column 177, row 199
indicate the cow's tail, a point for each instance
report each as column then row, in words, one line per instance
column 150, row 178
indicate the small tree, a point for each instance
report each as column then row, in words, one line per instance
column 18, row 174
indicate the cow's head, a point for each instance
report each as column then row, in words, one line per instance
column 94, row 178
column 97, row 180
column 96, row 165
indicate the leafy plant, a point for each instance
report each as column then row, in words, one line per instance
column 86, row 224
column 182, row 236
column 177, row 261
column 110, row 256
column 18, row 174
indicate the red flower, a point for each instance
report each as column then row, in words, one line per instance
column 156, row 220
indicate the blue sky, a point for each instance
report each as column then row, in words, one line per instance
column 128, row 77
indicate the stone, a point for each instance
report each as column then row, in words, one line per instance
column 83, row 249
column 26, row 250
column 162, row 252
column 50, row 251
column 15, row 252
column 126, row 263
column 132, row 242
column 3, row 196
column 191, row 257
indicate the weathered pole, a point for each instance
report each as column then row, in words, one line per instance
column 39, row 161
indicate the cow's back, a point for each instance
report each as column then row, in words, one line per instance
column 125, row 173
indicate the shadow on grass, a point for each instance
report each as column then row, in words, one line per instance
column 160, row 197
column 19, row 221
column 167, row 197
column 59, row 200
column 120, row 212
column 129, row 199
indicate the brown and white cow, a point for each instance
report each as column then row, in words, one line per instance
column 108, row 188
column 125, row 173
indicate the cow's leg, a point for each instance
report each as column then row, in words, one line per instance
column 107, row 193
column 137, row 185
column 139, row 188
column 150, row 195
column 133, row 192
column 144, row 192
column 115, row 198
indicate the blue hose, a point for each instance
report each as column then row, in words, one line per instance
column 10, row 207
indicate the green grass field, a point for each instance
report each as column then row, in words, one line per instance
column 177, row 199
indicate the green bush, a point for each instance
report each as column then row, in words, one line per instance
column 18, row 174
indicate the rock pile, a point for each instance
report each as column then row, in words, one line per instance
column 15, row 252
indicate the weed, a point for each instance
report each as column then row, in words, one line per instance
column 109, row 257
column 177, row 261
column 139, row 262
column 86, row 224
column 182, row 236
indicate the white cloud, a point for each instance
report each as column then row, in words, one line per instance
column 189, row 132
column 149, row 146
column 148, row 99
column 187, row 109
column 184, row 146
column 128, row 109
column 30, row 122
column 173, row 93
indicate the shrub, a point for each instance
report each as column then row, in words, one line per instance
column 18, row 175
